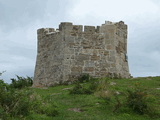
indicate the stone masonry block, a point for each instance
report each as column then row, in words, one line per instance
column 82, row 57
column 76, row 69
column 106, row 53
column 111, row 30
column 89, row 64
column 111, row 59
column 65, row 25
column 89, row 29
column 77, row 28
column 89, row 69
column 108, row 47
column 95, row 57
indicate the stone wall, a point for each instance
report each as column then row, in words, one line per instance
column 69, row 51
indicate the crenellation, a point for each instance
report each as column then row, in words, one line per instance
column 77, row 28
column 65, row 26
column 45, row 30
column 108, row 23
column 67, row 52
column 97, row 29
column 89, row 29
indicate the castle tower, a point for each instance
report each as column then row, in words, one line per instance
column 68, row 52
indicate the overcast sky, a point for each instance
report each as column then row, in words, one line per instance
column 20, row 19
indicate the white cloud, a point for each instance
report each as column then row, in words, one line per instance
column 114, row 10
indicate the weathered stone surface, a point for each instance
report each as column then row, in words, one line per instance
column 89, row 29
column 82, row 57
column 76, row 69
column 89, row 64
column 89, row 69
column 106, row 53
column 67, row 52
column 95, row 57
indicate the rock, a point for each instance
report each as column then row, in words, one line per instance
column 117, row 92
column 112, row 83
column 75, row 109
column 67, row 88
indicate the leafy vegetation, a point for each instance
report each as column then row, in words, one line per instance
column 21, row 82
column 137, row 100
column 95, row 99
column 17, row 100
column 84, row 78
column 84, row 88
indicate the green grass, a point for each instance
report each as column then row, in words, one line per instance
column 93, row 107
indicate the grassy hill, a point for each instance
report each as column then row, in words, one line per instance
column 96, row 99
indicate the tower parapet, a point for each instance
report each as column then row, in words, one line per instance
column 68, row 52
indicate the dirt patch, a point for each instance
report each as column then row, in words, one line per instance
column 158, row 88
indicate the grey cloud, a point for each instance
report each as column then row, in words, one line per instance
column 16, row 13
column 18, row 38
column 144, row 51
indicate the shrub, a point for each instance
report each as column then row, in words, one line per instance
column 21, row 105
column 21, row 82
column 3, row 86
column 104, row 95
column 103, row 92
column 137, row 100
column 3, row 114
column 84, row 78
column 81, row 88
column 50, row 110
column 43, row 105
column 14, row 103
column 77, row 89
column 84, row 88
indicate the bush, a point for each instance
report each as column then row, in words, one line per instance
column 137, row 100
column 83, row 88
column 3, row 114
column 44, row 105
column 50, row 110
column 84, row 78
column 21, row 82
column 14, row 103
column 20, row 103
column 3, row 86
column 103, row 91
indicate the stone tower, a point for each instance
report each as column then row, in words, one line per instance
column 68, row 52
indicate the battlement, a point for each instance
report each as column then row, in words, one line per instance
column 68, row 27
